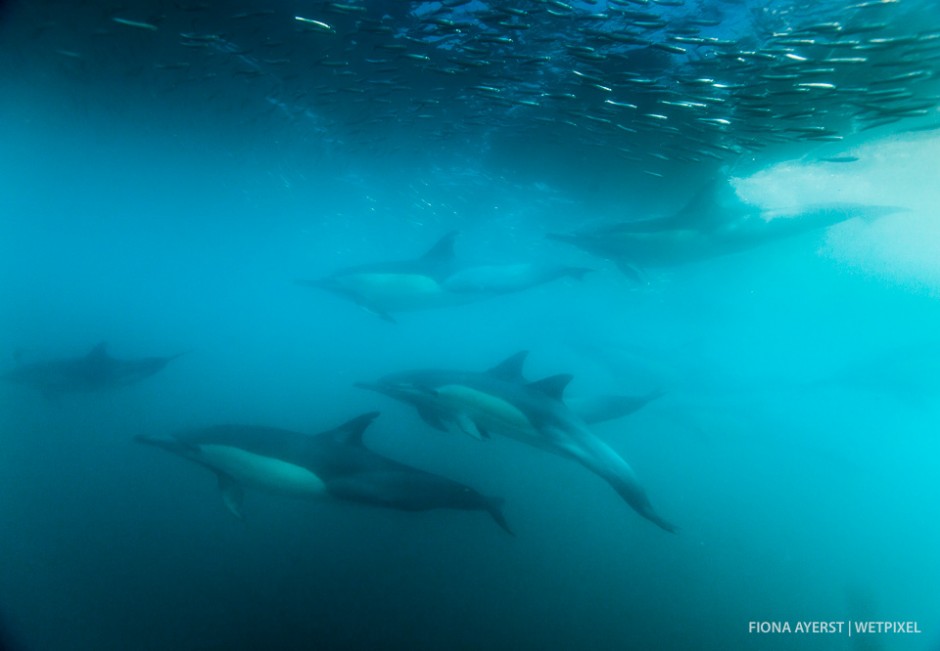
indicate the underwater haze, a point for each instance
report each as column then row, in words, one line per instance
column 712, row 224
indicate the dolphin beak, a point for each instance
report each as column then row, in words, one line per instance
column 370, row 386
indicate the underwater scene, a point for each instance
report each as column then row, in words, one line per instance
column 469, row 324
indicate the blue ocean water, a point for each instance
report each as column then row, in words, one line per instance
column 170, row 170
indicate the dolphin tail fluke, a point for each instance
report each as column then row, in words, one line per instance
column 634, row 495
column 659, row 521
column 494, row 506
column 600, row 409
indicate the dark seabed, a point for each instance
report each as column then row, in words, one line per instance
column 752, row 186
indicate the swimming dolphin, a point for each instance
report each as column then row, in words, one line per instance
column 334, row 464
column 93, row 371
column 434, row 280
column 501, row 401
column 715, row 222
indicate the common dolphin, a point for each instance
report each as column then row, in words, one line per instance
column 91, row 372
column 335, row 463
column 715, row 222
column 501, row 401
column 436, row 279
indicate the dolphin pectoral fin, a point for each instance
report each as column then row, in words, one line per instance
column 232, row 495
column 431, row 418
column 382, row 314
column 494, row 506
column 632, row 271
column 465, row 425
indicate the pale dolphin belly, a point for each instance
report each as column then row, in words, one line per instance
column 264, row 473
column 489, row 412
column 397, row 292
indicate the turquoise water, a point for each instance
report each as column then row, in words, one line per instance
column 164, row 184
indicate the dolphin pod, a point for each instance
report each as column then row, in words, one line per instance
column 436, row 279
column 501, row 401
column 332, row 464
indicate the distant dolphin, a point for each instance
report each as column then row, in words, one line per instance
column 715, row 222
column 93, row 371
column 434, row 280
column 334, row 464
column 501, row 401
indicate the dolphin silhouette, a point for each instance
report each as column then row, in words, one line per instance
column 714, row 223
column 434, row 280
column 501, row 401
column 93, row 371
column 335, row 464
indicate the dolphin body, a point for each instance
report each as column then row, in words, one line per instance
column 435, row 279
column 501, row 401
column 93, row 371
column 333, row 464
column 715, row 222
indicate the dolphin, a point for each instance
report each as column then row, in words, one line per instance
column 501, row 401
column 714, row 223
column 435, row 279
column 93, row 371
column 333, row 464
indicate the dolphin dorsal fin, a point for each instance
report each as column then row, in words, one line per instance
column 351, row 431
column 713, row 206
column 553, row 386
column 99, row 352
column 443, row 251
column 510, row 368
